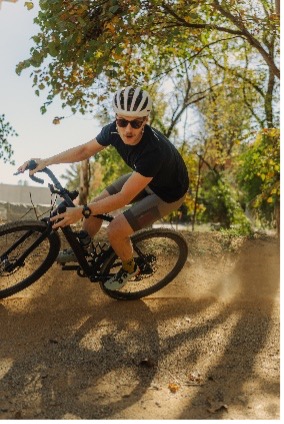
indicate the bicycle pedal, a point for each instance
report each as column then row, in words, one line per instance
column 66, row 255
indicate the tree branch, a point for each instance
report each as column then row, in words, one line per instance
column 238, row 75
column 251, row 39
column 184, row 23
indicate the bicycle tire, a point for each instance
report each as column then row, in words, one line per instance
column 39, row 260
column 169, row 250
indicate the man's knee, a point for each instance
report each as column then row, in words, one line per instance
column 119, row 228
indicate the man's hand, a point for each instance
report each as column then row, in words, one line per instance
column 70, row 216
column 41, row 163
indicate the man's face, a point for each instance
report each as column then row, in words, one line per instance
column 130, row 134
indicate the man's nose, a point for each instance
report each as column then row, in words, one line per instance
column 128, row 125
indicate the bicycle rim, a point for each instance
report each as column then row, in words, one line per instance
column 15, row 239
column 160, row 254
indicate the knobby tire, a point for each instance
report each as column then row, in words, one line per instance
column 37, row 262
column 169, row 250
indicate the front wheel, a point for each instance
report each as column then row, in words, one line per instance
column 160, row 255
column 27, row 251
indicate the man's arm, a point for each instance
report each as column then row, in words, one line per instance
column 75, row 154
column 134, row 185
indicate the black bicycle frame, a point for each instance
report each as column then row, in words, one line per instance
column 67, row 231
column 77, row 249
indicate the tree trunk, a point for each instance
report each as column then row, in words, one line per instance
column 197, row 192
column 84, row 182
column 277, row 217
column 277, row 7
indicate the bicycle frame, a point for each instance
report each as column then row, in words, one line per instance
column 29, row 248
column 88, row 270
column 78, row 250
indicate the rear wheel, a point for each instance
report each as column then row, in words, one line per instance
column 22, row 259
column 160, row 255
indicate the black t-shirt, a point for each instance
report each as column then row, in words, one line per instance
column 154, row 156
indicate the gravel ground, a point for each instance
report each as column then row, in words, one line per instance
column 205, row 347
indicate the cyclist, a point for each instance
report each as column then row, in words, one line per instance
column 156, row 187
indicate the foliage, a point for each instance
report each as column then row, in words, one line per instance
column 113, row 166
column 6, row 130
column 86, row 46
column 259, row 172
column 222, row 203
column 96, row 184
column 72, row 177
column 225, row 123
column 219, row 59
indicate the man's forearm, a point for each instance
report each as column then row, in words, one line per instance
column 76, row 154
column 109, row 204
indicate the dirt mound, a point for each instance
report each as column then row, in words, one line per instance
column 205, row 347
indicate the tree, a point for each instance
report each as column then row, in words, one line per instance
column 226, row 123
column 95, row 180
column 259, row 175
column 216, row 56
column 84, row 182
column 84, row 46
column 6, row 130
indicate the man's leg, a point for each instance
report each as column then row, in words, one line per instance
column 93, row 224
column 119, row 232
column 141, row 214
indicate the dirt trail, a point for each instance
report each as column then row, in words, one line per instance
column 205, row 347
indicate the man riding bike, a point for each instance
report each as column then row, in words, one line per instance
column 156, row 187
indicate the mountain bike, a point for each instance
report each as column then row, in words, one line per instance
column 29, row 248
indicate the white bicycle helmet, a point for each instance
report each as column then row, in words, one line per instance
column 132, row 101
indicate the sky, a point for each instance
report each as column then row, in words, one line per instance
column 37, row 135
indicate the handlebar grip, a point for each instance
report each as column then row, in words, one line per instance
column 36, row 179
column 32, row 165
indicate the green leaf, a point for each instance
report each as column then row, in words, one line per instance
column 53, row 49
column 113, row 9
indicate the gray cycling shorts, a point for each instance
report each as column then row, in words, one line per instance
column 146, row 207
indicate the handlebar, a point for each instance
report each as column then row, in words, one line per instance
column 59, row 189
column 32, row 165
column 66, row 194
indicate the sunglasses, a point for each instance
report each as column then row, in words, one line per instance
column 136, row 123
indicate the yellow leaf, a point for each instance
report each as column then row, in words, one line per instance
column 29, row 5
column 173, row 387
column 110, row 27
column 269, row 200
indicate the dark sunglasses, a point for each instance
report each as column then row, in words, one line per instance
column 136, row 123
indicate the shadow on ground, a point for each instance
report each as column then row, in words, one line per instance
column 68, row 351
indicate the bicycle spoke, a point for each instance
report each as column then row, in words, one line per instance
column 22, row 259
column 160, row 255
